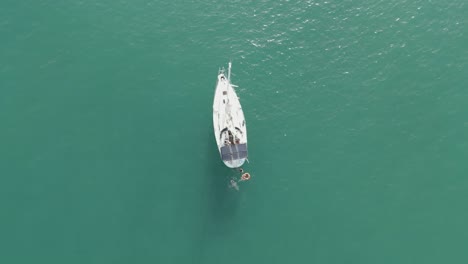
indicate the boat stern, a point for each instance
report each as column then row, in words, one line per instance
column 234, row 155
column 234, row 163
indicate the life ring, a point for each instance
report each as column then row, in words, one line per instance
column 245, row 177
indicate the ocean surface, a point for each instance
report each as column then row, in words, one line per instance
column 356, row 113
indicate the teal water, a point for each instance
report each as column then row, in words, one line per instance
column 356, row 113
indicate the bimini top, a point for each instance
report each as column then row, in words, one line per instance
column 233, row 152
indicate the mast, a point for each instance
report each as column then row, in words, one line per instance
column 229, row 72
column 229, row 124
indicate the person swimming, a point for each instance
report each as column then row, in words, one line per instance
column 233, row 184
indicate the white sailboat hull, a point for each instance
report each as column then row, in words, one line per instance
column 229, row 124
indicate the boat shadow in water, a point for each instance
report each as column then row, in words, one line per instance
column 223, row 201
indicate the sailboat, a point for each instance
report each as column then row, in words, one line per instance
column 230, row 129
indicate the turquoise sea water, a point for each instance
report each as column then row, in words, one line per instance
column 356, row 115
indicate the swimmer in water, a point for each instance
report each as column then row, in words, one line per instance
column 241, row 170
column 233, row 184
